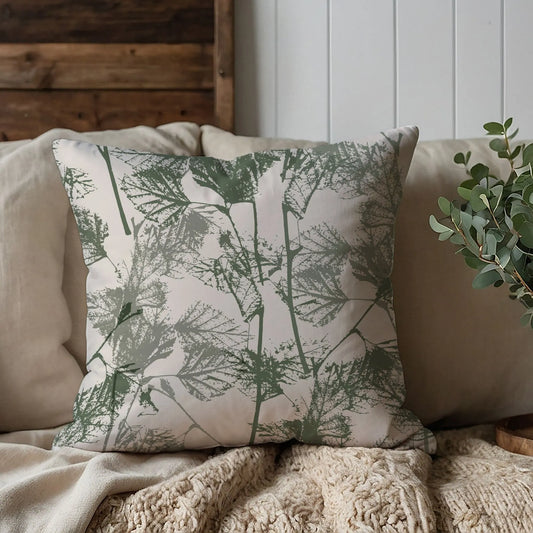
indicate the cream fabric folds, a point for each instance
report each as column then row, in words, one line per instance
column 42, row 288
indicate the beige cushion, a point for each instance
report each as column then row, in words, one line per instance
column 466, row 357
column 225, row 145
column 41, row 322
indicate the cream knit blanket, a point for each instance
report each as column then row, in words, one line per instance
column 471, row 485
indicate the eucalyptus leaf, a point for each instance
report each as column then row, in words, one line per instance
column 456, row 238
column 526, row 234
column 516, row 152
column 476, row 200
column 465, row 189
column 489, row 246
column 494, row 128
column 460, row 158
column 486, row 279
column 479, row 171
column 504, row 256
column 527, row 155
column 445, row 235
column 445, row 205
column 498, row 145
column 437, row 226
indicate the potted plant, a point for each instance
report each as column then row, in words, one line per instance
column 492, row 226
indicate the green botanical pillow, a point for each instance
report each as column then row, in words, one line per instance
column 240, row 302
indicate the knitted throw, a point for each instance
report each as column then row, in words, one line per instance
column 470, row 485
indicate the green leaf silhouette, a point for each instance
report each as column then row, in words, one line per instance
column 370, row 259
column 380, row 370
column 235, row 181
column 324, row 421
column 323, row 245
column 167, row 388
column 93, row 232
column 203, row 323
column 306, row 172
column 145, row 399
column 77, row 183
column 230, row 275
column 142, row 439
column 267, row 371
column 205, row 371
column 318, row 296
column 96, row 408
column 156, row 191
column 143, row 341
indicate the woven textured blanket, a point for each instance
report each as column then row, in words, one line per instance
column 470, row 485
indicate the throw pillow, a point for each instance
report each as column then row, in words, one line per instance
column 240, row 302
column 42, row 274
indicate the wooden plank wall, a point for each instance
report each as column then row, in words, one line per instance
column 335, row 69
column 98, row 64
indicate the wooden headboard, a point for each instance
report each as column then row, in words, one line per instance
column 107, row 64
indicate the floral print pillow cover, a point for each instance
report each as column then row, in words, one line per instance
column 240, row 302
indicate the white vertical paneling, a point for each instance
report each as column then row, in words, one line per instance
column 255, row 61
column 302, row 67
column 362, row 58
column 518, row 77
column 426, row 66
column 478, row 52
column 337, row 69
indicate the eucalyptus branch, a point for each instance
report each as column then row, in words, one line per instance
column 507, row 239
column 522, row 282
column 509, row 153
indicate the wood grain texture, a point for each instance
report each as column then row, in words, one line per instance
column 106, row 21
column 224, row 65
column 106, row 66
column 29, row 113
column 515, row 434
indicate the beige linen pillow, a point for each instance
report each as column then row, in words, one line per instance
column 466, row 358
column 42, row 274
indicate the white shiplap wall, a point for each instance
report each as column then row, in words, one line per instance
column 338, row 69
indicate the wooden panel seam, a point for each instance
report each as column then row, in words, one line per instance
column 26, row 114
column 106, row 66
column 107, row 21
column 224, row 65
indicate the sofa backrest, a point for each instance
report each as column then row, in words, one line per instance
column 466, row 357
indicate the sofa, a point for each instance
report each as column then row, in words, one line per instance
column 466, row 360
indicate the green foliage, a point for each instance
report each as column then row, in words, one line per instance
column 93, row 232
column 77, row 183
column 206, row 371
column 156, row 192
column 201, row 323
column 493, row 224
